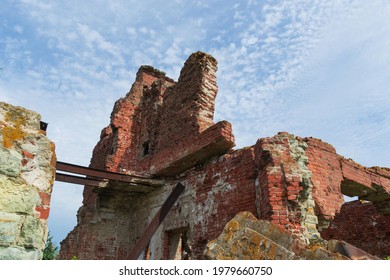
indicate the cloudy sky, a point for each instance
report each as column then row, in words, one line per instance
column 312, row 68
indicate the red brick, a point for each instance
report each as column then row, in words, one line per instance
column 28, row 154
column 43, row 212
column 45, row 198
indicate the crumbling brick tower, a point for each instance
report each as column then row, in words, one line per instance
column 164, row 129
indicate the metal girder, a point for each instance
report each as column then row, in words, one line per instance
column 78, row 180
column 103, row 174
column 149, row 231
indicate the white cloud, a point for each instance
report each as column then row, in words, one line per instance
column 19, row 29
column 132, row 31
column 94, row 38
column 37, row 4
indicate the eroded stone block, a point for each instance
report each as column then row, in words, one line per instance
column 27, row 170
column 9, row 228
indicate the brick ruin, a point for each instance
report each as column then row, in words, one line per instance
column 164, row 129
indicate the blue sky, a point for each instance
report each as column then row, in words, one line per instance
column 312, row 68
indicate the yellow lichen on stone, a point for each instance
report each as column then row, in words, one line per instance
column 230, row 228
column 15, row 117
column 272, row 251
column 246, row 238
column 253, row 236
column 27, row 173
column 13, row 133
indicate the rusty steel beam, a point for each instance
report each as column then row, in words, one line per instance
column 73, row 168
column 78, row 180
column 149, row 231
column 103, row 174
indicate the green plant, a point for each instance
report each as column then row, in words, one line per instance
column 51, row 250
column 387, row 258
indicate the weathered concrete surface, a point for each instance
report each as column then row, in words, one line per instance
column 164, row 129
column 27, row 170
column 246, row 238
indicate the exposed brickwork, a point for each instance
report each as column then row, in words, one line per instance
column 326, row 177
column 223, row 187
column 371, row 184
column 286, row 191
column 360, row 224
column 164, row 129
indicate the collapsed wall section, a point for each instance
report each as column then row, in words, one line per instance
column 27, row 170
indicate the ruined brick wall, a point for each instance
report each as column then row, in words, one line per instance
column 121, row 143
column 298, row 183
column 217, row 190
column 326, row 178
column 372, row 184
column 301, row 182
column 285, row 189
column 27, row 170
column 178, row 139
column 164, row 129
column 190, row 102
column 361, row 224
column 214, row 194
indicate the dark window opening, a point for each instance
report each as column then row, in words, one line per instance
column 43, row 125
column 145, row 148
